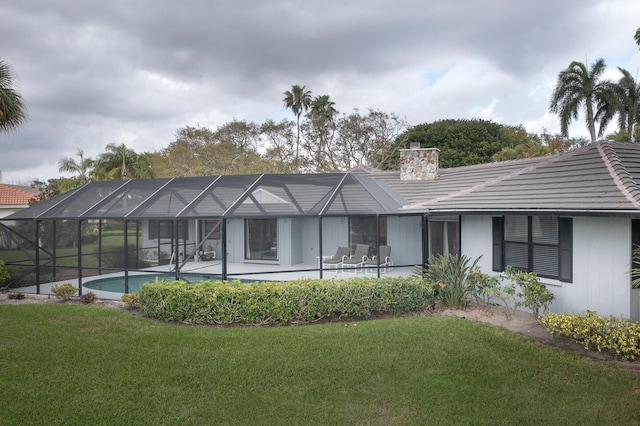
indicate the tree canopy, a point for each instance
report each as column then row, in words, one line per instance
column 13, row 112
column 461, row 142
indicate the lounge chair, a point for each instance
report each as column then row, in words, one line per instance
column 353, row 262
column 335, row 261
column 371, row 265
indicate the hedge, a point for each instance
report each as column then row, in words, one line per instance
column 618, row 335
column 290, row 302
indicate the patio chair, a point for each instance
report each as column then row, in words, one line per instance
column 335, row 261
column 353, row 262
column 371, row 265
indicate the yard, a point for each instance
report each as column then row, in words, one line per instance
column 76, row 364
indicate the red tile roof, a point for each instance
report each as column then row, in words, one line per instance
column 16, row 194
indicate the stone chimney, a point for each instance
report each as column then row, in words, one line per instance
column 419, row 163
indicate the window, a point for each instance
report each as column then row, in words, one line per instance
column 163, row 229
column 211, row 229
column 362, row 230
column 261, row 239
column 444, row 237
column 540, row 244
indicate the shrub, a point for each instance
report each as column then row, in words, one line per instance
column 89, row 297
column 4, row 274
column 533, row 294
column 449, row 275
column 131, row 299
column 64, row 291
column 292, row 302
column 622, row 336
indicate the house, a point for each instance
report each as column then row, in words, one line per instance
column 14, row 198
column 572, row 218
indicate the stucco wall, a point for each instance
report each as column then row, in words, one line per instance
column 601, row 261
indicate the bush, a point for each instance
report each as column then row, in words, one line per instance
column 64, row 291
column 88, row 298
column 449, row 276
column 131, row 299
column 4, row 274
column 533, row 294
column 292, row 302
column 619, row 335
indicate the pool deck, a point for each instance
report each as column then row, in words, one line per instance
column 253, row 271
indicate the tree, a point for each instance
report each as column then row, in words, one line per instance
column 13, row 111
column 627, row 103
column 537, row 146
column 280, row 141
column 298, row 100
column 636, row 37
column 461, row 142
column 578, row 87
column 363, row 139
column 120, row 162
column 319, row 130
column 81, row 168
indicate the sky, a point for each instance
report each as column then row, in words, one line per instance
column 93, row 73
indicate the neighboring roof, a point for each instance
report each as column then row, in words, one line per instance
column 600, row 178
column 16, row 195
column 330, row 194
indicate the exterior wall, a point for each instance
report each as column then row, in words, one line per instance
column 601, row 261
column 335, row 233
column 298, row 239
column 404, row 235
column 6, row 210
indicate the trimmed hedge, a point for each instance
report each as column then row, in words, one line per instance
column 290, row 302
column 593, row 331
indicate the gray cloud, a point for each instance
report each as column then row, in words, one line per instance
column 135, row 71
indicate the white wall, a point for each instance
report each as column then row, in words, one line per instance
column 601, row 261
column 404, row 235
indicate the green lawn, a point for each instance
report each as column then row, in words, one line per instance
column 75, row 364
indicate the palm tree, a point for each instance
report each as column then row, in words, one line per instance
column 12, row 108
column 82, row 167
column 298, row 100
column 321, row 115
column 627, row 102
column 120, row 162
column 579, row 87
column 636, row 37
column 323, row 108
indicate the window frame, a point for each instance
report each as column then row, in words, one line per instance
column 564, row 247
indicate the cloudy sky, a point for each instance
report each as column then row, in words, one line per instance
column 135, row 71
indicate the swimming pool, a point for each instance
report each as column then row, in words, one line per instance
column 116, row 284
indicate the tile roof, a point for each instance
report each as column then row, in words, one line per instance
column 16, row 194
column 601, row 177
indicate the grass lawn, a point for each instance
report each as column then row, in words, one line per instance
column 76, row 364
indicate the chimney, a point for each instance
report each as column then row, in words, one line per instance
column 419, row 163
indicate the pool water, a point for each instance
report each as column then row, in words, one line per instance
column 116, row 284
